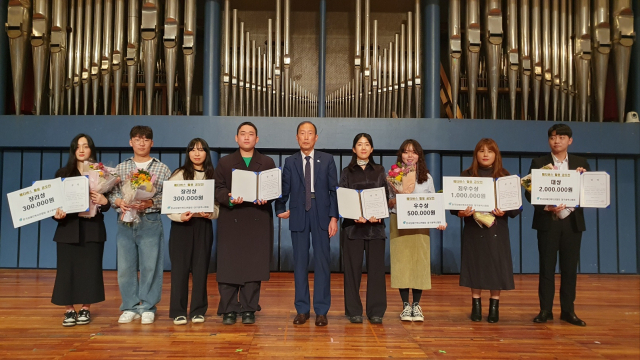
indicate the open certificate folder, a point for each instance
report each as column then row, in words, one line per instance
column 353, row 204
column 252, row 186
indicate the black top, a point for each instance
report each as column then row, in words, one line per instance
column 72, row 227
column 543, row 220
column 354, row 177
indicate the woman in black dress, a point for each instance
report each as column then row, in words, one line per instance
column 486, row 251
column 80, row 244
column 364, row 235
column 190, row 241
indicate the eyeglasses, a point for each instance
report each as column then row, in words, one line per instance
column 138, row 141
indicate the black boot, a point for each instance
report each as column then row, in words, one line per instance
column 494, row 311
column 476, row 309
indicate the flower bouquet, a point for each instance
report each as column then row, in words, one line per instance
column 402, row 178
column 526, row 181
column 101, row 180
column 485, row 219
column 137, row 187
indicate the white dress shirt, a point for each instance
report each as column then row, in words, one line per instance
column 304, row 164
column 562, row 165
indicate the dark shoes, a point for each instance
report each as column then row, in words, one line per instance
column 84, row 317
column 476, row 309
column 571, row 318
column 229, row 318
column 494, row 313
column 70, row 319
column 321, row 320
column 375, row 320
column 355, row 319
column 301, row 319
column 248, row 317
column 543, row 316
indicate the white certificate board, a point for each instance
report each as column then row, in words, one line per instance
column 76, row 194
column 252, row 186
column 555, row 187
column 462, row 192
column 420, row 211
column 36, row 202
column 508, row 193
column 188, row 195
column 353, row 204
column 595, row 189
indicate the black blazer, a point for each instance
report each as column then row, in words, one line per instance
column 543, row 220
column 72, row 227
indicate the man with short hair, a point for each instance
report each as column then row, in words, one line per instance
column 245, row 233
column 310, row 178
column 140, row 244
column 559, row 231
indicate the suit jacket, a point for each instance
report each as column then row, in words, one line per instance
column 245, row 231
column 325, row 177
column 73, row 227
column 543, row 220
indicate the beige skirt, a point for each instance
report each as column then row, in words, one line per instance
column 410, row 257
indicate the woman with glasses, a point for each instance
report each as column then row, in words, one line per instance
column 410, row 248
column 79, row 244
column 190, row 241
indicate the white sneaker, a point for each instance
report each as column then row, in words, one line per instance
column 180, row 320
column 417, row 313
column 405, row 315
column 148, row 317
column 128, row 316
column 197, row 319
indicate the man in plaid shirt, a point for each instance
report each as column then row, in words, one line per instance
column 140, row 244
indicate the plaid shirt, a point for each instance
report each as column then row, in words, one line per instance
column 155, row 167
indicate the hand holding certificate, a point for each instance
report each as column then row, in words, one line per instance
column 356, row 204
column 508, row 196
column 182, row 196
column 420, row 211
column 463, row 192
column 255, row 186
column 555, row 187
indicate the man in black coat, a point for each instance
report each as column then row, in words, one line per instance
column 559, row 230
column 245, row 233
column 310, row 178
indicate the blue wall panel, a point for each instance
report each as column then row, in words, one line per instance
column 512, row 164
column 451, row 238
column 11, row 174
column 47, row 254
column 336, row 258
column 626, row 215
column 284, row 247
column 172, row 160
column 28, row 245
column 275, row 256
column 607, row 229
column 387, row 161
column 434, row 164
column 110, row 256
column 589, row 247
column 529, row 260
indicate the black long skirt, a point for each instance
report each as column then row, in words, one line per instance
column 79, row 274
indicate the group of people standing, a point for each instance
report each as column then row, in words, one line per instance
column 245, row 235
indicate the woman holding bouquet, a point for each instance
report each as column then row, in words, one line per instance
column 486, row 249
column 410, row 248
column 80, row 244
column 190, row 241
column 364, row 235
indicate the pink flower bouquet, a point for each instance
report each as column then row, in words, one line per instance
column 101, row 180
column 402, row 178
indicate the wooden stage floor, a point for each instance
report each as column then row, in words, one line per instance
column 31, row 327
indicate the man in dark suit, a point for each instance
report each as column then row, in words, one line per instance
column 310, row 178
column 559, row 230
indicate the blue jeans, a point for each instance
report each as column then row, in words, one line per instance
column 140, row 247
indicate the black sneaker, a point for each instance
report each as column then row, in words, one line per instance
column 69, row 318
column 229, row 318
column 84, row 317
column 248, row 317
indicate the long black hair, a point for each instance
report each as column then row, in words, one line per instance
column 354, row 156
column 188, row 171
column 72, row 163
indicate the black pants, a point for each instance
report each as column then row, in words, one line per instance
column 249, row 296
column 376, row 284
column 564, row 239
column 190, row 249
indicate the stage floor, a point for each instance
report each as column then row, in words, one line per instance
column 31, row 327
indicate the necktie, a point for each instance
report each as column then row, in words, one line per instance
column 307, row 184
